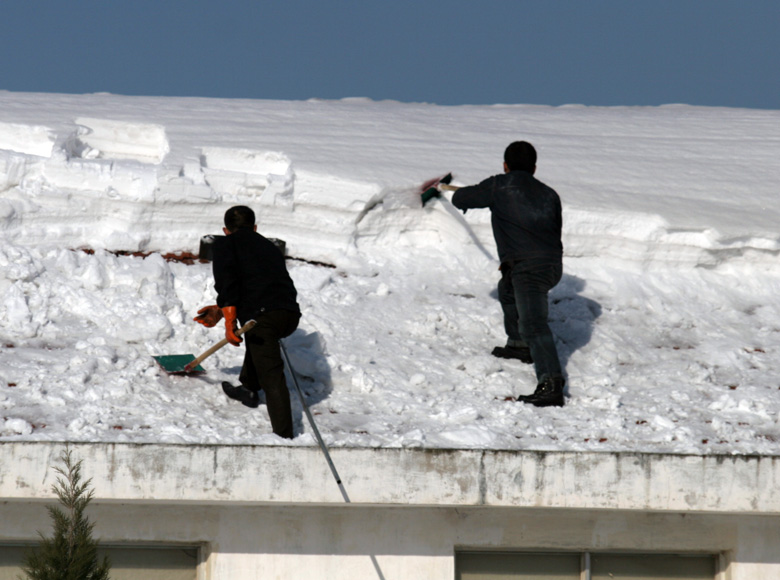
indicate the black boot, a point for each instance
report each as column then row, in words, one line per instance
column 521, row 353
column 548, row 393
column 241, row 393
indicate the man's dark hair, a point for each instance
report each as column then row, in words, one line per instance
column 520, row 156
column 239, row 216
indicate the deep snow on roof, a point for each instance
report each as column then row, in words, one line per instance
column 667, row 318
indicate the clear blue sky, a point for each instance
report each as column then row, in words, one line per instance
column 450, row 52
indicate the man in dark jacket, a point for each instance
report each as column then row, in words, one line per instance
column 252, row 283
column 526, row 220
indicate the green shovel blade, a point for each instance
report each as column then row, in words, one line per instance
column 175, row 363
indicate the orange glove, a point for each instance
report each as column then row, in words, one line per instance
column 208, row 316
column 229, row 312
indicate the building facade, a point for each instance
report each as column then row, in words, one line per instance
column 258, row 512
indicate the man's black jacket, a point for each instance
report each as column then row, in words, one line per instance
column 525, row 214
column 250, row 274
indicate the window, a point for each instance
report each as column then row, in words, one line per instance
column 127, row 562
column 585, row 566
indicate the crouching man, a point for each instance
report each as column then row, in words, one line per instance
column 252, row 282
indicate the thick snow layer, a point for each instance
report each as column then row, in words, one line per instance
column 667, row 318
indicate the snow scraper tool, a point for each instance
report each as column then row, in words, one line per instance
column 429, row 189
column 187, row 364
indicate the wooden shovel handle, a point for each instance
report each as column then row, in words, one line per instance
column 448, row 187
column 244, row 329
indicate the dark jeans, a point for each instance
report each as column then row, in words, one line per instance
column 522, row 292
column 264, row 368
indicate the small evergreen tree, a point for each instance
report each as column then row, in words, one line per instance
column 71, row 554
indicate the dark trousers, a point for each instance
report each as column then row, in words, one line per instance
column 263, row 367
column 522, row 292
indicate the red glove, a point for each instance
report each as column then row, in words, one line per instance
column 231, row 325
column 208, row 316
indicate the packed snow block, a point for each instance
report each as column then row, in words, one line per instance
column 102, row 179
column 182, row 185
column 17, row 169
column 27, row 139
column 263, row 176
column 107, row 139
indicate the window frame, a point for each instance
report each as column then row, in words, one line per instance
column 720, row 560
column 202, row 549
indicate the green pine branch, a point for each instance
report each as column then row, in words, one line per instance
column 71, row 552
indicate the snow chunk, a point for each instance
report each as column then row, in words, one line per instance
column 15, row 314
column 109, row 139
column 267, row 175
column 471, row 436
column 27, row 139
column 15, row 426
column 18, row 263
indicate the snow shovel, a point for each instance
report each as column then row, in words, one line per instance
column 187, row 364
column 429, row 189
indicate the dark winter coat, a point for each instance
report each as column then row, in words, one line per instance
column 525, row 215
column 250, row 274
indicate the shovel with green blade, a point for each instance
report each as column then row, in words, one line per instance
column 187, row 364
column 430, row 188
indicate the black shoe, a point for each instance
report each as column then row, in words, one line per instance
column 548, row 393
column 521, row 353
column 241, row 393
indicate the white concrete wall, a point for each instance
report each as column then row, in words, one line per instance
column 216, row 474
column 403, row 543
column 263, row 512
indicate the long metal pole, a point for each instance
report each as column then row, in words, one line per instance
column 314, row 425
column 324, row 448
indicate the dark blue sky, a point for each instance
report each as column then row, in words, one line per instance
column 450, row 52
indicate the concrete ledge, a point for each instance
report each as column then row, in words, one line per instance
column 211, row 474
column 634, row 481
